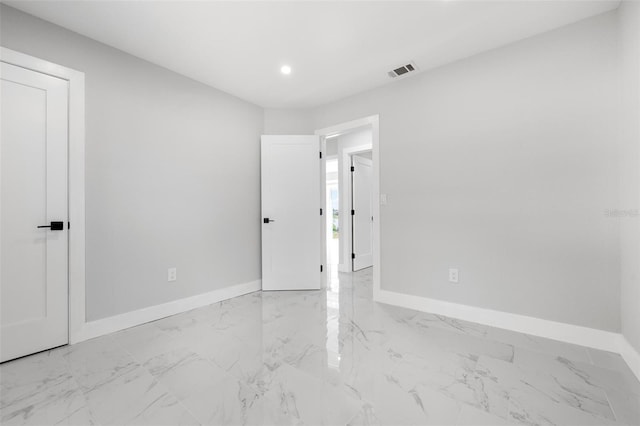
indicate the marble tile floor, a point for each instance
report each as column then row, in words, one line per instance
column 330, row 357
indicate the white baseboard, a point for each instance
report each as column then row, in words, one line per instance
column 583, row 336
column 131, row 319
column 630, row 355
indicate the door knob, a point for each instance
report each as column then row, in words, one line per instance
column 55, row 226
column 267, row 220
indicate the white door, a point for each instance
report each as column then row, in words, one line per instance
column 291, row 221
column 33, row 193
column 362, row 212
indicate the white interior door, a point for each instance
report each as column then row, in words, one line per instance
column 291, row 221
column 33, row 183
column 362, row 212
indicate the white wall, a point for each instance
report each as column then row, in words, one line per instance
column 503, row 165
column 629, row 21
column 172, row 174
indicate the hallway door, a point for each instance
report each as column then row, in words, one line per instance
column 362, row 212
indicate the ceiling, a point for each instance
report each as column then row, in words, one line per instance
column 335, row 49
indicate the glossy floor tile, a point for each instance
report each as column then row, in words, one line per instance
column 330, row 357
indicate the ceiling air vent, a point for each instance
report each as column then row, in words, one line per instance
column 403, row 70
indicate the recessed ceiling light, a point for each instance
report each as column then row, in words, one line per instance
column 286, row 70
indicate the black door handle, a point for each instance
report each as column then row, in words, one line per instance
column 267, row 220
column 55, row 226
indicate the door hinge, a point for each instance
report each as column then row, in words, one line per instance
column 320, row 268
column 353, row 169
column 320, row 154
column 353, row 255
column 320, row 212
column 68, row 225
column 353, row 212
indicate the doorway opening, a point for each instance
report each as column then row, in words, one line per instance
column 349, row 194
column 333, row 213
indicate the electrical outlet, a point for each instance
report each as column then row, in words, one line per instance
column 453, row 275
column 172, row 274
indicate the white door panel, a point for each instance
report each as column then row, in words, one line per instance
column 33, row 183
column 362, row 195
column 291, row 239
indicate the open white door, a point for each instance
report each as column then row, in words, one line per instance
column 291, row 227
column 33, row 212
column 362, row 212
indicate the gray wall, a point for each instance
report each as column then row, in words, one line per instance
column 503, row 165
column 172, row 174
column 332, row 147
column 287, row 122
column 629, row 15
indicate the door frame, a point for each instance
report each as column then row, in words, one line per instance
column 76, row 179
column 373, row 121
